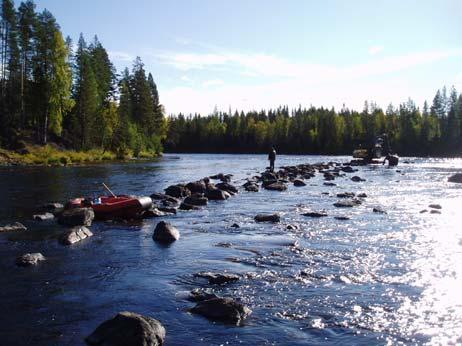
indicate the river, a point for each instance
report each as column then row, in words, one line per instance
column 375, row 279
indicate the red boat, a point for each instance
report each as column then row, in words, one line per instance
column 110, row 207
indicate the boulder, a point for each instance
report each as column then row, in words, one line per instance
column 347, row 204
column 13, row 227
column 77, row 217
column 152, row 212
column 456, row 178
column 227, row 187
column 128, row 328
column 222, row 309
column 346, row 195
column 435, row 206
column 165, row 233
column 299, row 182
column 357, row 179
column 292, row 227
column 177, row 191
column 186, row 206
column 74, row 235
column 196, row 200
column 348, row 169
column 267, row 218
column 43, row 217
column 218, row 278
column 378, row 210
column 217, row 195
column 29, row 259
column 278, row 186
column 197, row 186
column 315, row 214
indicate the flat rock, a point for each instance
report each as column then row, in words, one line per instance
column 342, row 218
column 315, row 214
column 347, row 203
column 77, row 217
column 222, row 309
column 43, row 217
column 128, row 328
column 267, row 218
column 13, row 227
column 299, row 182
column 278, row 186
column 218, row 278
column 74, row 235
column 165, row 233
column 29, row 259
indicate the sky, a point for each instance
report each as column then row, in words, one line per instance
column 259, row 54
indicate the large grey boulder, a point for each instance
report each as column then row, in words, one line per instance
column 74, row 235
column 222, row 309
column 13, row 227
column 165, row 233
column 178, row 191
column 77, row 217
column 128, row 328
column 267, row 218
column 29, row 259
column 217, row 195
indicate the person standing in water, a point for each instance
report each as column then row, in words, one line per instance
column 272, row 158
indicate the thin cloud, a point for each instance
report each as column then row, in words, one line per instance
column 212, row 82
column 373, row 50
column 186, row 79
column 120, row 56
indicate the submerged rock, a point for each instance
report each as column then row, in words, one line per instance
column 13, row 227
column 29, row 259
column 267, row 218
column 128, row 328
column 315, row 214
column 199, row 295
column 77, row 217
column 75, row 235
column 165, row 233
column 218, row 278
column 222, row 309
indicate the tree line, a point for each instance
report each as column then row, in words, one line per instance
column 53, row 91
column 434, row 130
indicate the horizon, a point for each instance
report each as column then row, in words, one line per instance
column 210, row 55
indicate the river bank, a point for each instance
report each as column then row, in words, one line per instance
column 367, row 278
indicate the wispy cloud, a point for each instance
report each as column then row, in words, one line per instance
column 373, row 50
column 186, row 79
column 212, row 82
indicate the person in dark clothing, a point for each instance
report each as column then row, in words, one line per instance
column 272, row 158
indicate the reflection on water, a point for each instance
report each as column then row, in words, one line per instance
column 390, row 278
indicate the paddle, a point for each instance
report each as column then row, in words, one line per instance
column 112, row 193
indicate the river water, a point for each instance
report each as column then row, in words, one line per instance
column 375, row 279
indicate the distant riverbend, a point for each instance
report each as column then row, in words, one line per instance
column 384, row 271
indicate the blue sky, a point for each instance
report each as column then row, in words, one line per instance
column 257, row 54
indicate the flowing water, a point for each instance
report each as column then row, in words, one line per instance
column 374, row 279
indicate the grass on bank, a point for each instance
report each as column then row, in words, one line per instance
column 55, row 156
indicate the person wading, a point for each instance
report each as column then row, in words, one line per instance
column 272, row 158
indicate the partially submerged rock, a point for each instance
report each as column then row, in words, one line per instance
column 152, row 212
column 197, row 186
column 29, row 259
column 347, row 203
column 456, row 178
column 315, row 214
column 435, row 206
column 357, row 179
column 253, row 187
column 75, row 235
column 165, row 233
column 379, row 210
column 218, row 278
column 199, row 295
column 231, row 189
column 342, row 218
column 13, row 227
column 277, row 186
column 217, row 195
column 196, row 200
column 186, row 206
column 178, row 191
column 53, row 207
column 346, row 195
column 168, row 210
column 128, row 328
column 222, row 309
column 299, row 182
column 77, row 217
column 267, row 218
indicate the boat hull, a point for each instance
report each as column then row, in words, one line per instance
column 108, row 207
